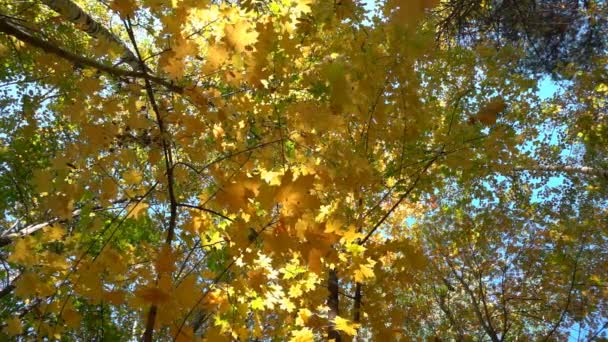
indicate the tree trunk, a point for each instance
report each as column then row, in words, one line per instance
column 333, row 303
column 150, row 321
column 357, row 305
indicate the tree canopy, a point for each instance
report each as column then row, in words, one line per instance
column 301, row 170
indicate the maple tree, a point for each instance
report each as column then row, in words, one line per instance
column 294, row 170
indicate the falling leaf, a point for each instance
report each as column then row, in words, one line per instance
column 136, row 210
column 165, row 262
column 71, row 317
column 346, row 326
column 114, row 297
column 314, row 260
column 303, row 316
column 351, row 234
column 54, row 233
column 153, row 295
column 257, row 304
column 364, row 271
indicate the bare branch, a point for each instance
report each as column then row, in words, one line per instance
column 201, row 208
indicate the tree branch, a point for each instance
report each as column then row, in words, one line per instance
column 151, row 320
column 83, row 21
column 486, row 310
column 201, row 208
column 12, row 29
column 567, row 169
column 401, row 198
column 6, row 240
column 215, row 281
column 474, row 300
column 569, row 297
column 444, row 306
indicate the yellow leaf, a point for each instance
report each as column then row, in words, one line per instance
column 61, row 205
column 165, row 263
column 43, row 180
column 489, row 112
column 218, row 131
column 295, row 195
column 109, row 189
column 71, row 317
column 302, row 226
column 303, row 316
column 215, row 334
column 333, row 226
column 314, row 260
column 195, row 223
column 236, row 195
column 410, row 11
column 26, row 285
column 13, row 327
column 217, row 55
column 287, row 305
column 364, row 272
column 257, row 304
column 23, row 253
column 124, row 7
column 53, row 233
column 185, row 335
column 240, row 35
column 302, row 6
column 351, row 235
column 56, row 261
column 136, row 210
column 302, row 335
column 602, row 88
column 186, row 290
column 346, row 326
column 271, row 177
column 153, row 295
column 174, row 67
column 132, row 177
column 114, row 297
column 295, row 291
column 4, row 50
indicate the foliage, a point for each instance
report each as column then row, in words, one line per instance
column 293, row 169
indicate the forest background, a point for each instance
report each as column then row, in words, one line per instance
column 303, row 170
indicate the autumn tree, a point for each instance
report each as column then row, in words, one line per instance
column 292, row 170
